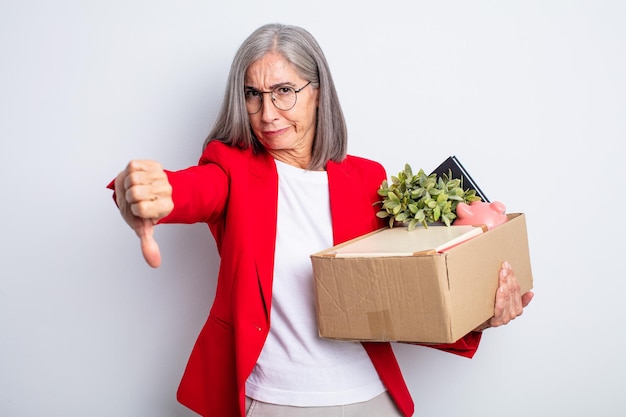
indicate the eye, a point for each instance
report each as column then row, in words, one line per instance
column 252, row 94
column 283, row 91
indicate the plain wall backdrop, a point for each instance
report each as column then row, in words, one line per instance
column 530, row 95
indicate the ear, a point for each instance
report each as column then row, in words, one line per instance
column 498, row 207
column 463, row 210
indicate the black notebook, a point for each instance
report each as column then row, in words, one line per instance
column 453, row 164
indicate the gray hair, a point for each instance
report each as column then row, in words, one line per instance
column 301, row 49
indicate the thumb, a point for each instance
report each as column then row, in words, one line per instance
column 527, row 297
column 149, row 246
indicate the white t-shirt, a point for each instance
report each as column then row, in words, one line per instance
column 297, row 367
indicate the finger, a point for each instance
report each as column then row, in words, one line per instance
column 155, row 209
column 142, row 165
column 140, row 172
column 527, row 298
column 149, row 246
column 120, row 188
column 515, row 290
column 137, row 193
column 502, row 307
column 142, row 193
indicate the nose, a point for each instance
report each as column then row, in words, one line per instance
column 268, row 109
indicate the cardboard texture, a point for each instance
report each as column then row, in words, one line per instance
column 423, row 297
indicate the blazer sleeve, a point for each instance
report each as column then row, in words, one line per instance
column 466, row 346
column 200, row 194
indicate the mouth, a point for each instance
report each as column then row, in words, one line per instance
column 274, row 133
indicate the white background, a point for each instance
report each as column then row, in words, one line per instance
column 530, row 95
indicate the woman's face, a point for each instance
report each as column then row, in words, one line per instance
column 286, row 134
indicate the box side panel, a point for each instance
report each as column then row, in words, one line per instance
column 473, row 272
column 383, row 299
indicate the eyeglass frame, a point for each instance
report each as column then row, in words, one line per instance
column 273, row 99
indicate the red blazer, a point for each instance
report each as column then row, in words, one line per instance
column 235, row 192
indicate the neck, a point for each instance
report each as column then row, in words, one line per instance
column 292, row 158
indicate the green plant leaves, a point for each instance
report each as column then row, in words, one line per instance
column 421, row 199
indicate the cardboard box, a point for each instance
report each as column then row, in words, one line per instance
column 423, row 297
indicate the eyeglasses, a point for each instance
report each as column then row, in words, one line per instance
column 283, row 97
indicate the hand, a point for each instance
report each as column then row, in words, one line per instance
column 144, row 196
column 509, row 303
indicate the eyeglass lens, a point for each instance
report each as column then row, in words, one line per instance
column 284, row 98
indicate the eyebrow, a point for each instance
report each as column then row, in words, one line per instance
column 273, row 86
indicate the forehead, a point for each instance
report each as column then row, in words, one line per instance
column 269, row 70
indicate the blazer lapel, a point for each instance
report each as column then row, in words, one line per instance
column 264, row 206
column 351, row 200
column 338, row 182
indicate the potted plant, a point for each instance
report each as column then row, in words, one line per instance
column 422, row 199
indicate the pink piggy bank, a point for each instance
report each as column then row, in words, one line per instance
column 480, row 212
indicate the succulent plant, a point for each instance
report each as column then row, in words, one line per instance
column 421, row 198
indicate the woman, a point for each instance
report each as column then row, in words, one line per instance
column 273, row 184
